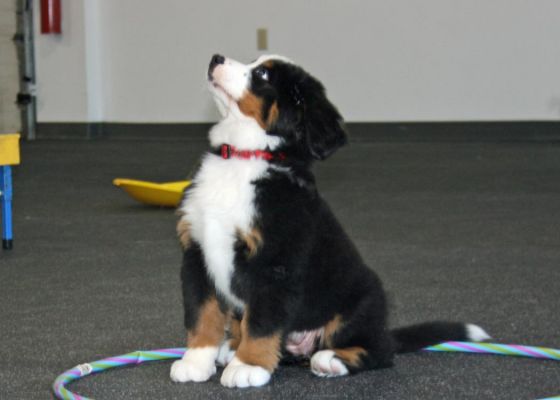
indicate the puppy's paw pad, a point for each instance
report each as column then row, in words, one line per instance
column 197, row 365
column 241, row 375
column 225, row 354
column 325, row 364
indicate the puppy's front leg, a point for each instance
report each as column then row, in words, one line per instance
column 204, row 320
column 257, row 356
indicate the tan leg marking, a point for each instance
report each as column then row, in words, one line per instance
column 351, row 356
column 210, row 328
column 184, row 232
column 264, row 352
column 333, row 326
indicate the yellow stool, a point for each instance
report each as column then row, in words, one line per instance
column 9, row 155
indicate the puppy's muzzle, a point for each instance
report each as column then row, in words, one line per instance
column 216, row 60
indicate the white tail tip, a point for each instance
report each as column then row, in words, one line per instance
column 476, row 334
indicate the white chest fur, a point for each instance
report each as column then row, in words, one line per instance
column 220, row 203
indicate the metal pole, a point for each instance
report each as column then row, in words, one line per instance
column 26, row 96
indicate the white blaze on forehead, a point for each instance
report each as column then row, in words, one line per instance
column 269, row 57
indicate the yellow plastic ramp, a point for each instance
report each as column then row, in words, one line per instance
column 157, row 194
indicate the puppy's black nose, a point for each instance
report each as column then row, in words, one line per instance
column 216, row 59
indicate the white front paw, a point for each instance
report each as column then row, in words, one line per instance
column 325, row 364
column 241, row 375
column 197, row 365
column 225, row 354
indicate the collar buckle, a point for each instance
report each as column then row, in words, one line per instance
column 226, row 151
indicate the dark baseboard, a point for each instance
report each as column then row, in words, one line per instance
column 113, row 130
column 496, row 131
column 68, row 130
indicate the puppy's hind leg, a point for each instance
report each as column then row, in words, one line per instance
column 339, row 361
column 355, row 342
column 330, row 363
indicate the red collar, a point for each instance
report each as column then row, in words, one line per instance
column 228, row 151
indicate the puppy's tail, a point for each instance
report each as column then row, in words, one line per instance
column 416, row 337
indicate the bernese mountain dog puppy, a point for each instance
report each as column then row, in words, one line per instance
column 267, row 269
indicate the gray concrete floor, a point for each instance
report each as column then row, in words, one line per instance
column 461, row 231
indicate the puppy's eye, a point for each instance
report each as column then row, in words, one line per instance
column 262, row 73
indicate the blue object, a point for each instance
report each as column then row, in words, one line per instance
column 6, row 205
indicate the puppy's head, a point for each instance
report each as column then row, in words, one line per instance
column 284, row 100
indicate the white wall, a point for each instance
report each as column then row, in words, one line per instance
column 385, row 60
column 60, row 67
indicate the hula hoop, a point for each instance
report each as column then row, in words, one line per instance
column 140, row 357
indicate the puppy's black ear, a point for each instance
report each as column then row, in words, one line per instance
column 323, row 125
